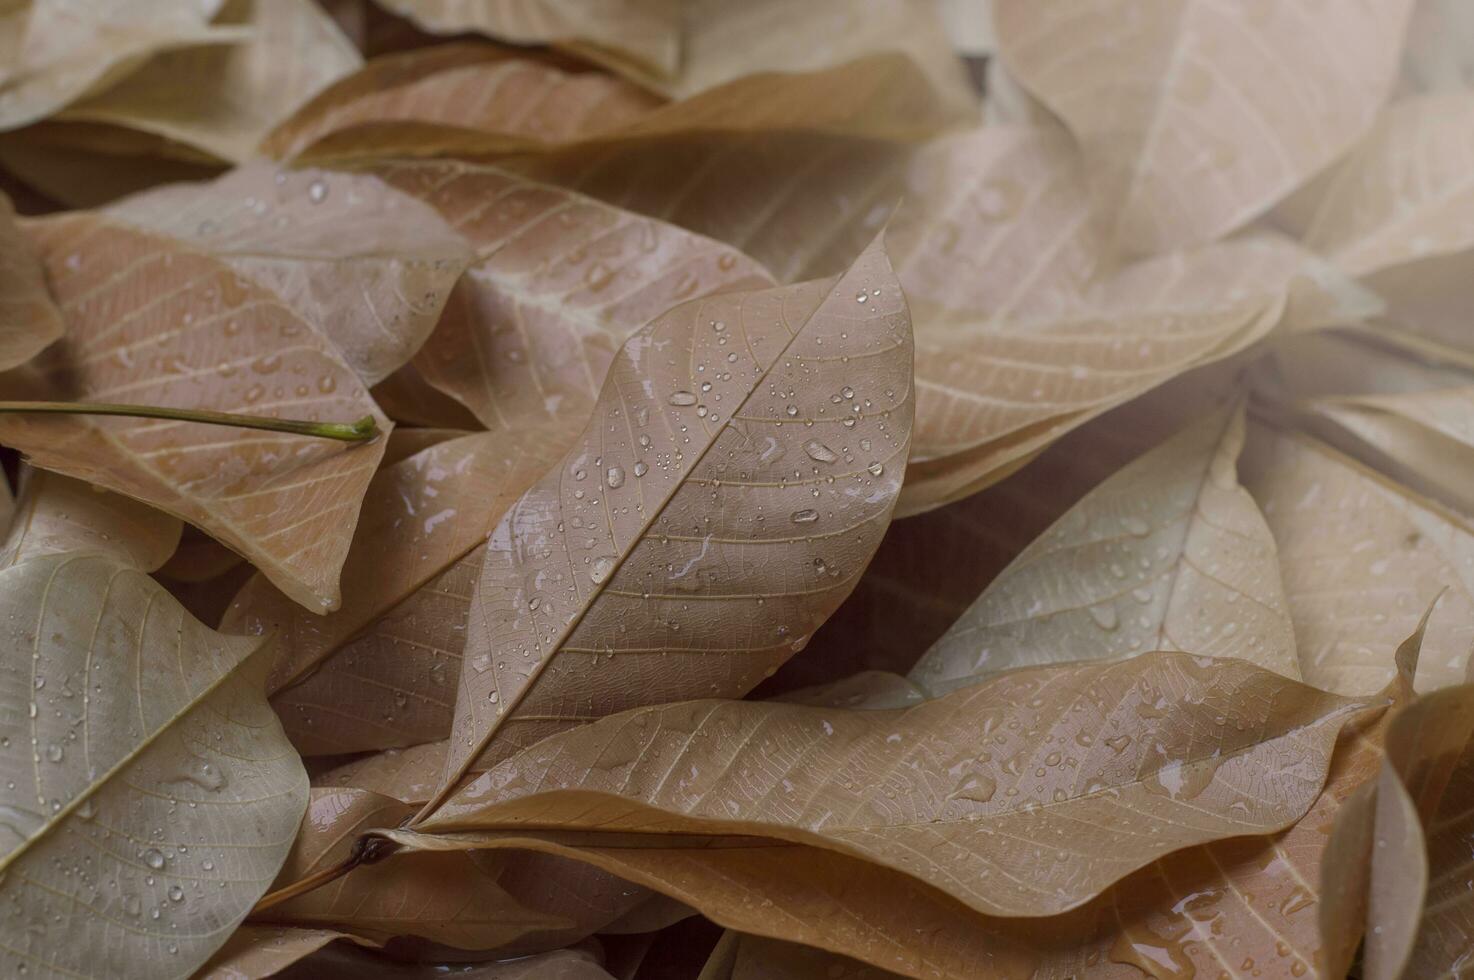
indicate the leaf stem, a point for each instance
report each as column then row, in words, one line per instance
column 360, row 431
column 367, row 849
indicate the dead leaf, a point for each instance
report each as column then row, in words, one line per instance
column 28, row 319
column 638, row 32
column 256, row 951
column 1419, row 911
column 56, row 515
column 223, row 98
column 1399, row 214
column 409, row 775
column 559, row 282
column 1025, row 328
column 419, row 104
column 1135, row 88
column 513, row 902
column 370, row 267
column 57, row 53
column 350, row 963
column 743, row 459
column 1344, row 533
column 1439, row 53
column 1170, row 553
column 1413, row 421
column 145, row 730
column 1122, row 747
column 381, row 670
column 151, row 321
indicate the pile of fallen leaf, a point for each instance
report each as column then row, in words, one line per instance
column 824, row 522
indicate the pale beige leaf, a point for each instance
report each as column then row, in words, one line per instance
column 1136, row 85
column 1361, row 559
column 254, row 952
column 644, row 33
column 64, row 51
column 1439, row 54
column 1170, row 553
column 1027, row 794
column 734, row 479
column 370, row 267
column 1343, row 533
column 29, row 319
column 382, row 669
column 410, row 775
column 223, row 98
column 1024, row 328
column 558, row 283
column 152, row 795
column 350, row 963
column 1411, row 420
column 56, row 515
column 151, row 321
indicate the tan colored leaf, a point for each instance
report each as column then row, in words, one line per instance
column 1170, row 553
column 151, row 321
column 475, row 101
column 382, row 669
column 734, row 479
column 1136, row 88
column 457, row 98
column 644, row 33
column 409, row 775
column 253, row 951
column 1024, row 327
column 516, row 902
column 82, row 165
column 371, row 268
column 56, row 515
column 152, row 794
column 223, row 98
column 28, row 319
column 350, row 963
column 558, row 284
column 1344, row 533
column 406, row 396
column 55, row 52
column 1420, row 917
column 1024, row 795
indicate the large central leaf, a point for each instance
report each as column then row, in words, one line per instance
column 735, row 476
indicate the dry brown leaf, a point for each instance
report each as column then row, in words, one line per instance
column 56, row 515
column 559, row 282
column 513, row 902
column 420, row 104
column 1058, row 781
column 732, row 482
column 151, row 321
column 223, row 98
column 198, row 558
column 85, row 166
column 1024, row 327
column 28, row 319
column 55, row 53
column 457, row 97
column 645, row 34
column 382, row 669
column 160, row 794
column 1135, row 85
column 370, row 267
column 1170, row 553
column 350, row 963
column 1420, row 917
column 407, row 397
column 253, row 952
column 410, row 775
column 1439, row 53
column 1344, row 533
